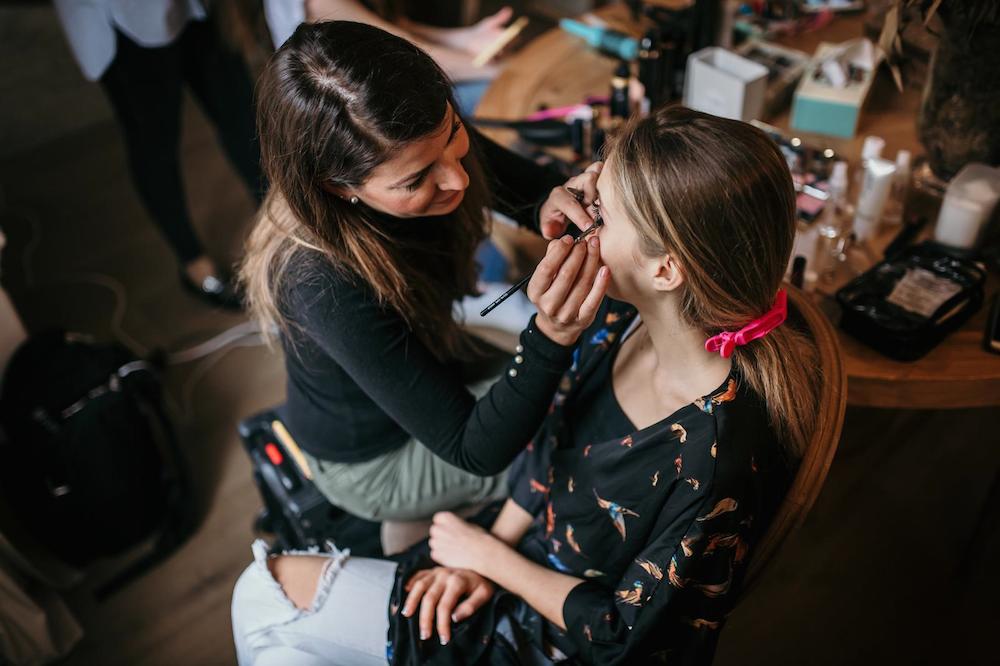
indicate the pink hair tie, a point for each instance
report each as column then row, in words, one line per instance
column 727, row 341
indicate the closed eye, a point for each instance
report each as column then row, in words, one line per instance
column 417, row 181
column 595, row 208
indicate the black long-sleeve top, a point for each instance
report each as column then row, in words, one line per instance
column 360, row 382
column 658, row 524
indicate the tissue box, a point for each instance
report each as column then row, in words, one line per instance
column 725, row 84
column 824, row 109
column 785, row 67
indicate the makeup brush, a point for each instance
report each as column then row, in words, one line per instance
column 598, row 222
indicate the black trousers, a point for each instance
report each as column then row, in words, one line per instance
column 145, row 86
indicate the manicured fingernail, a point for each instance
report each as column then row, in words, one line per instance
column 454, row 617
column 567, row 240
column 406, row 612
column 444, row 641
column 603, row 272
column 593, row 241
column 424, row 635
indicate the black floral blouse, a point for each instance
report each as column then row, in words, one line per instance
column 657, row 523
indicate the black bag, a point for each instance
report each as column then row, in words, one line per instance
column 295, row 511
column 90, row 464
column 905, row 305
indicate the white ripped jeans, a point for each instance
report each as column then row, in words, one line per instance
column 347, row 624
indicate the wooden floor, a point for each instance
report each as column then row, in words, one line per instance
column 896, row 565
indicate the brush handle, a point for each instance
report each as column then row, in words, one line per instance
column 578, row 195
column 505, row 295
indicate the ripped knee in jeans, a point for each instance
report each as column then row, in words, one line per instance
column 299, row 576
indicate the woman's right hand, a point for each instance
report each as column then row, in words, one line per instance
column 562, row 206
column 438, row 592
column 567, row 288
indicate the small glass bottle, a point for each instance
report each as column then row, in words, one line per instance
column 894, row 207
column 830, row 227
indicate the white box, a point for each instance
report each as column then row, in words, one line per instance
column 725, row 84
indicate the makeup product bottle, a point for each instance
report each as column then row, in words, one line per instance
column 619, row 104
column 798, row 272
column 900, row 190
column 830, row 227
column 649, row 70
column 874, row 193
column 610, row 41
column 871, row 148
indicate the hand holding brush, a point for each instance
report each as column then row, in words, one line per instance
column 568, row 284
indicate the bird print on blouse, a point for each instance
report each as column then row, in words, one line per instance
column 687, row 542
column 617, row 513
column 651, row 568
column 571, row 540
column 680, row 432
column 550, row 519
column 632, row 596
column 723, row 506
column 678, row 566
column 709, row 404
column 557, row 564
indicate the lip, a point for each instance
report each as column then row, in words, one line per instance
column 451, row 198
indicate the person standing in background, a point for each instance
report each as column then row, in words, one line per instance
column 454, row 49
column 143, row 54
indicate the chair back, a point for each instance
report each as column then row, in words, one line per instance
column 804, row 314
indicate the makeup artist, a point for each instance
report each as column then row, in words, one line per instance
column 363, row 247
column 670, row 444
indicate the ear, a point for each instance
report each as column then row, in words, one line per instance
column 669, row 275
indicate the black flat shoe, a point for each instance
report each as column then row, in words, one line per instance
column 214, row 291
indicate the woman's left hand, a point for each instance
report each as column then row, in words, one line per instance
column 458, row 543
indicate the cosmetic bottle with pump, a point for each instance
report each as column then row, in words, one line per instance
column 872, row 183
column 870, row 149
column 899, row 191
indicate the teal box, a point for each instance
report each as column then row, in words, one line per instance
column 820, row 108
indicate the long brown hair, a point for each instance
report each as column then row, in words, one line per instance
column 716, row 194
column 334, row 102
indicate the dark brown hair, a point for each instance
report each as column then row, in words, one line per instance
column 334, row 102
column 716, row 194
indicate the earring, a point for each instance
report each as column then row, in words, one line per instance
column 354, row 201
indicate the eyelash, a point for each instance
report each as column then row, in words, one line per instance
column 420, row 181
column 596, row 208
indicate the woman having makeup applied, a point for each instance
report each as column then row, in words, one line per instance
column 665, row 452
column 360, row 253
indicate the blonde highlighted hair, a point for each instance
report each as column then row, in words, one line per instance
column 717, row 196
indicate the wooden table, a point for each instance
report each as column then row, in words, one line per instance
column 557, row 69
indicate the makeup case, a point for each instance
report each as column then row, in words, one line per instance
column 905, row 305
